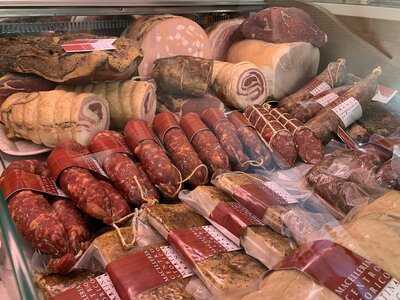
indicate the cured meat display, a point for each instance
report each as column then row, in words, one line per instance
column 179, row 148
column 286, row 67
column 275, row 135
column 253, row 145
column 45, row 57
column 41, row 118
column 226, row 133
column 333, row 76
column 129, row 178
column 346, row 109
column 183, row 75
column 217, row 154
column 130, row 99
column 167, row 36
column 154, row 161
column 240, row 84
column 204, row 142
column 95, row 196
column 12, row 83
column 283, row 25
column 222, row 35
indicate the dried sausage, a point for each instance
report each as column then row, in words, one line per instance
column 155, row 162
column 205, row 142
column 228, row 138
column 331, row 77
column 275, row 135
column 346, row 109
column 126, row 176
column 308, row 146
column 253, row 145
column 93, row 195
column 179, row 148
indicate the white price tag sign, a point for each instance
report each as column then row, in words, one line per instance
column 348, row 111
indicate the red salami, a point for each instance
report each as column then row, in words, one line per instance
column 228, row 138
column 93, row 195
column 308, row 146
column 179, row 149
column 57, row 230
column 254, row 146
column 126, row 176
column 161, row 171
column 275, row 135
column 205, row 142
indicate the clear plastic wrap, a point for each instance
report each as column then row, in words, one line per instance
column 238, row 224
column 227, row 275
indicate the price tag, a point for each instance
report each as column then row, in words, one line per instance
column 384, row 94
column 87, row 45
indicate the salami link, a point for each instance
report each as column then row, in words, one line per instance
column 308, row 146
column 346, row 109
column 305, row 110
column 94, row 196
column 179, row 149
column 57, row 229
column 333, row 76
column 161, row 171
column 253, row 145
column 205, row 142
column 39, row 224
column 275, row 135
column 228, row 138
column 126, row 176
column 74, row 223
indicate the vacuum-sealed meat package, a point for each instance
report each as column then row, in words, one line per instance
column 238, row 224
column 355, row 263
column 346, row 179
column 226, row 270
column 298, row 214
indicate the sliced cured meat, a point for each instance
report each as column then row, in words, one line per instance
column 167, row 36
column 222, row 35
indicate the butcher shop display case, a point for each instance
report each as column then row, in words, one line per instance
column 199, row 149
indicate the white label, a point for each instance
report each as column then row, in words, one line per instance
column 390, row 292
column 384, row 94
column 87, row 45
column 105, row 282
column 281, row 192
column 348, row 111
column 322, row 87
column 220, row 238
column 327, row 99
column 177, row 261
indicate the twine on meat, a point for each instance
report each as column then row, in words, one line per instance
column 254, row 163
column 179, row 186
column 78, row 254
column 149, row 201
column 134, row 227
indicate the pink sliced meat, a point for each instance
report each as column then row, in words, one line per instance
column 167, row 36
column 222, row 35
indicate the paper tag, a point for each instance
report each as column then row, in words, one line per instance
column 18, row 180
column 199, row 243
column 327, row 99
column 136, row 273
column 87, row 45
column 348, row 111
column 345, row 273
column 384, row 94
column 100, row 287
column 320, row 88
